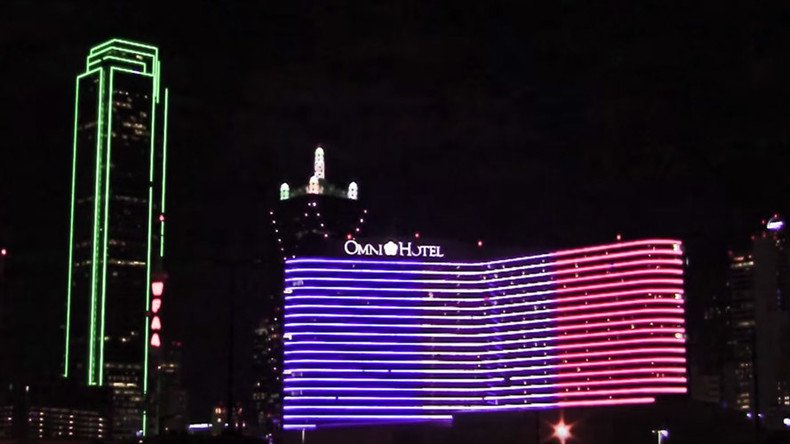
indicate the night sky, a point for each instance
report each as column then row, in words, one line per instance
column 537, row 128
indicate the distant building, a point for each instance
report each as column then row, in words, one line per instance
column 308, row 216
column 267, row 361
column 116, row 230
column 757, row 379
column 55, row 412
column 170, row 393
column 219, row 418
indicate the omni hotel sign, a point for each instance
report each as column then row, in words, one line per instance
column 392, row 248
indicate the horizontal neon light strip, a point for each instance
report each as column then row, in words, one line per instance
column 373, row 407
column 490, row 361
column 561, row 309
column 480, row 282
column 495, row 334
column 483, row 289
column 558, row 320
column 542, row 302
column 384, row 417
column 497, row 271
column 615, row 333
column 616, row 246
column 613, row 362
column 384, row 398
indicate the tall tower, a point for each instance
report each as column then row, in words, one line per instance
column 309, row 216
column 116, row 231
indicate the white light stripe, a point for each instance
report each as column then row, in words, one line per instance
column 669, row 381
column 570, row 252
column 668, row 320
column 559, row 339
column 602, row 343
column 612, row 352
column 484, row 289
column 651, row 301
column 647, row 264
column 488, row 307
column 450, row 271
column 555, row 320
column 453, row 371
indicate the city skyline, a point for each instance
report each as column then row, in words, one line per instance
column 592, row 142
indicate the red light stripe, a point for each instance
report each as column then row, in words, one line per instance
column 603, row 402
column 657, row 379
column 633, row 283
column 617, row 246
column 616, row 333
column 628, row 371
column 646, row 311
column 645, row 340
column 668, row 301
column 624, row 322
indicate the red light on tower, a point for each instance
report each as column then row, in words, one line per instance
column 479, row 244
column 157, row 290
column 3, row 252
column 417, row 235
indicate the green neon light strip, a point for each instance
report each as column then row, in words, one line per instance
column 148, row 260
column 107, row 162
column 99, row 47
column 96, row 217
column 164, row 177
column 119, row 59
column 71, row 224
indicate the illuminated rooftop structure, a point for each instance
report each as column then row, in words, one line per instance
column 317, row 183
column 117, row 221
column 308, row 216
column 393, row 338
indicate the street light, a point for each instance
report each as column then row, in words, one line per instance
column 562, row 431
column 662, row 434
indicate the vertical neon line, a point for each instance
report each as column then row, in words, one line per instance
column 164, row 177
column 152, row 134
column 71, row 229
column 106, row 236
column 96, row 221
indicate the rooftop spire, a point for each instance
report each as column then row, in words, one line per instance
column 318, row 164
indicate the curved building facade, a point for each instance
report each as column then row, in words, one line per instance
column 395, row 335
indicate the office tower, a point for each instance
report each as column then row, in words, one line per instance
column 267, row 364
column 759, row 283
column 171, row 396
column 116, row 231
column 311, row 216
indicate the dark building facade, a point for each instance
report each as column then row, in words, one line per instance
column 116, row 231
column 267, row 357
column 63, row 411
column 756, row 379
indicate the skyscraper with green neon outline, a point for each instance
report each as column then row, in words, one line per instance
column 117, row 223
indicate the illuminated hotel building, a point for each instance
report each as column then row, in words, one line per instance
column 116, row 231
column 401, row 332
